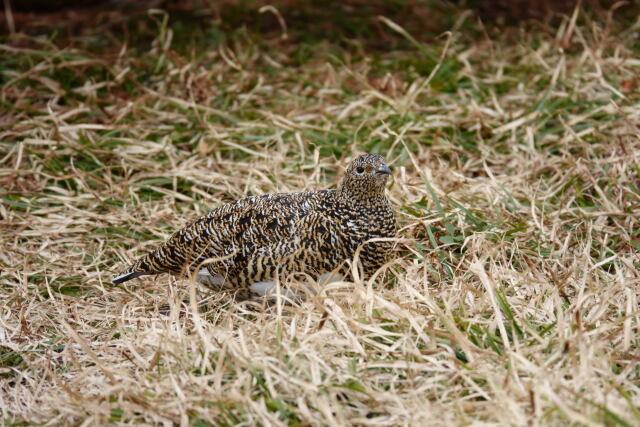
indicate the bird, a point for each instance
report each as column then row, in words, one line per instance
column 253, row 241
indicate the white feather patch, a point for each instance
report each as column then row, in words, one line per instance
column 269, row 288
column 263, row 288
column 207, row 279
column 330, row 277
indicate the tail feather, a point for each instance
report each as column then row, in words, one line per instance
column 137, row 269
column 127, row 276
column 165, row 259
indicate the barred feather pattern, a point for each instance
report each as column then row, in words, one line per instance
column 258, row 238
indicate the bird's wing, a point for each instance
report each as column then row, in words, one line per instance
column 233, row 228
column 314, row 245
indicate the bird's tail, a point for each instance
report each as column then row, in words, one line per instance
column 137, row 269
column 126, row 276
column 174, row 256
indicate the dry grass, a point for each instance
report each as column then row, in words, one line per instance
column 515, row 292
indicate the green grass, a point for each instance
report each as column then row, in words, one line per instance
column 513, row 294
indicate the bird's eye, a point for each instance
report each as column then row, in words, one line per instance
column 360, row 169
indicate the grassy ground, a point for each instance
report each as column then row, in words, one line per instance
column 513, row 296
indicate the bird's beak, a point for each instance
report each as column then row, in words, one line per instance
column 383, row 170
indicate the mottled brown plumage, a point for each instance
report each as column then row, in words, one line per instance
column 258, row 238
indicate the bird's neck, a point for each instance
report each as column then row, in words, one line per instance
column 362, row 196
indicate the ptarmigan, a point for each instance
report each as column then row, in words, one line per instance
column 258, row 238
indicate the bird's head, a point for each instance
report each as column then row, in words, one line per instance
column 366, row 177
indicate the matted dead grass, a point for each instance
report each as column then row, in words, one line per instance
column 514, row 294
